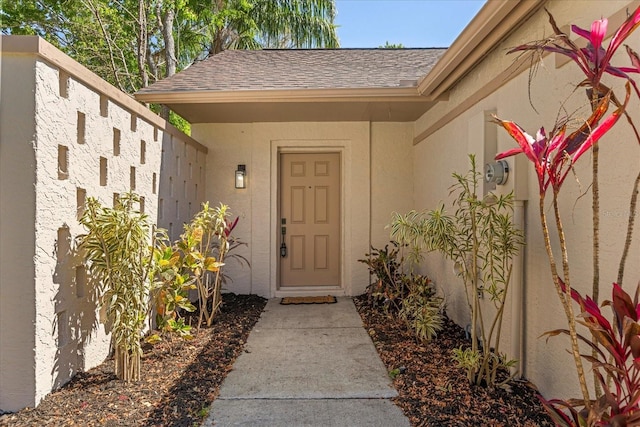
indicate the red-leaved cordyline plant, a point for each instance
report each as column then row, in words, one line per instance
column 594, row 61
column 616, row 364
column 553, row 157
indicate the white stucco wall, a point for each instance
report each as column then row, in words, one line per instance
column 181, row 183
column 373, row 184
column 68, row 330
column 66, row 135
column 546, row 364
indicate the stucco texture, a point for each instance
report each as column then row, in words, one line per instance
column 375, row 181
column 17, row 232
column 66, row 137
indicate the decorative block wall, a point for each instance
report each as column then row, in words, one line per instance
column 66, row 135
column 181, row 182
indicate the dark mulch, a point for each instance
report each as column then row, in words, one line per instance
column 180, row 379
column 434, row 391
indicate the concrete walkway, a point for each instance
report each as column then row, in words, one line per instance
column 308, row 365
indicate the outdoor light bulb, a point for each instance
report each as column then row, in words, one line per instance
column 241, row 177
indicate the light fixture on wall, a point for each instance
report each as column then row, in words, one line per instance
column 241, row 176
column 497, row 172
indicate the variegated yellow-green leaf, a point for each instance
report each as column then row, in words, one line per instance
column 210, row 264
column 153, row 339
column 197, row 234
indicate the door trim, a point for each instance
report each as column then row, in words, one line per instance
column 311, row 146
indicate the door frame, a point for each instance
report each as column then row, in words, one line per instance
column 310, row 147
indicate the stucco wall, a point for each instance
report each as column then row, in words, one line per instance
column 181, row 182
column 17, row 232
column 391, row 176
column 374, row 184
column 443, row 152
column 67, row 135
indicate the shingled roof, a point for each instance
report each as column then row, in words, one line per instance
column 290, row 69
column 299, row 85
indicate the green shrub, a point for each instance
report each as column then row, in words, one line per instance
column 389, row 288
column 482, row 242
column 409, row 297
column 117, row 252
column 422, row 309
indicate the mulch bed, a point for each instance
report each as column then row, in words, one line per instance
column 433, row 390
column 180, row 379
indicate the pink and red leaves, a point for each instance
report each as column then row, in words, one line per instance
column 594, row 60
column 554, row 155
column 620, row 404
column 228, row 229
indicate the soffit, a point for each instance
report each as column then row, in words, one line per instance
column 248, row 112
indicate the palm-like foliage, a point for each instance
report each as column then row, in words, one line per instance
column 117, row 251
column 482, row 241
column 132, row 43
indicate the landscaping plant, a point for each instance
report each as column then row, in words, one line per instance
column 389, row 289
column 421, row 308
column 117, row 252
column 170, row 290
column 408, row 296
column 482, row 241
column 595, row 62
column 194, row 262
column 616, row 364
column 205, row 243
column 553, row 157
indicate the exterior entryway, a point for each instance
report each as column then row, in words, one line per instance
column 324, row 345
column 309, row 240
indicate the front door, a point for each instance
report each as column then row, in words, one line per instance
column 309, row 240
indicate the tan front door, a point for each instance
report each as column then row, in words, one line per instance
column 310, row 214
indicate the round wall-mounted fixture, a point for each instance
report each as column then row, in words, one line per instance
column 496, row 172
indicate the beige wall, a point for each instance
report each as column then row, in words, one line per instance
column 373, row 184
column 17, row 233
column 391, row 176
column 443, row 152
column 58, row 127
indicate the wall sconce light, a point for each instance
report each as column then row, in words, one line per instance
column 241, row 176
column 497, row 172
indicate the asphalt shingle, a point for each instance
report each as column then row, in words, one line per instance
column 290, row 69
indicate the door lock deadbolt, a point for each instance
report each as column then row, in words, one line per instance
column 283, row 245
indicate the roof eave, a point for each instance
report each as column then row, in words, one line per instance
column 276, row 95
column 495, row 21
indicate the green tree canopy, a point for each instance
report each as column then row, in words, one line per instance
column 132, row 43
column 388, row 45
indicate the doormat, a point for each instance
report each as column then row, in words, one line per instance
column 329, row 299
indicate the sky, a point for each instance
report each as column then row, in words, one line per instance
column 412, row 23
